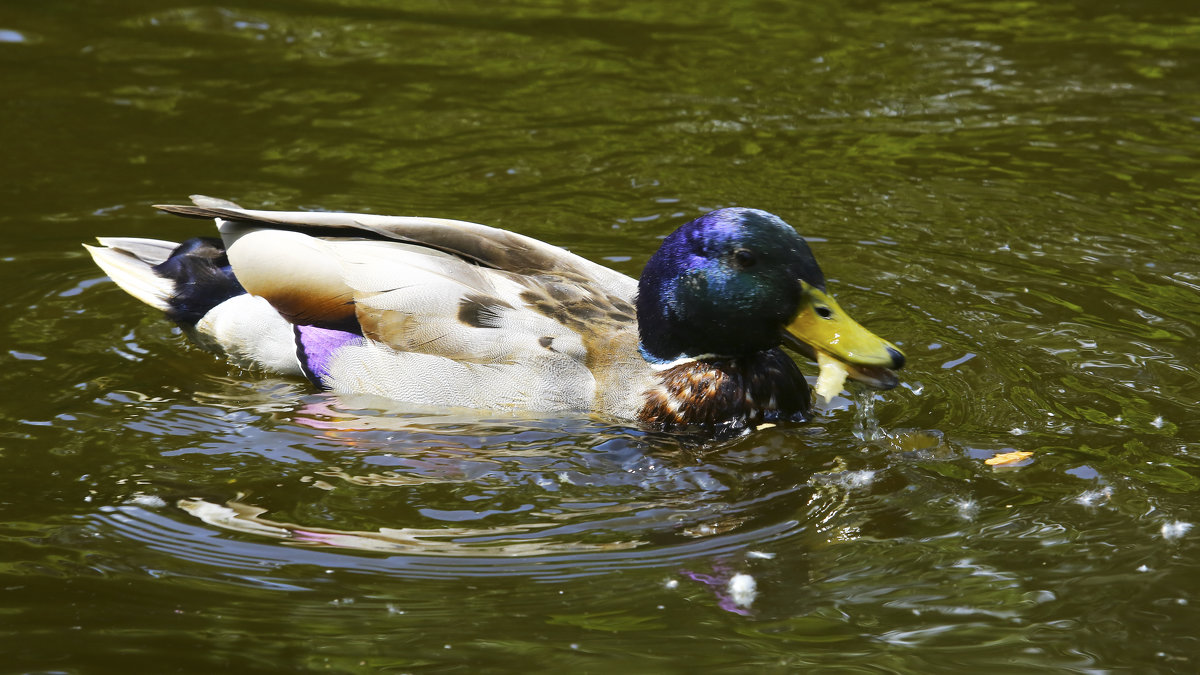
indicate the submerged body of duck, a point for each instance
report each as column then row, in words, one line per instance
column 450, row 313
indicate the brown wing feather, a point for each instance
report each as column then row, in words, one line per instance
column 479, row 244
column 298, row 275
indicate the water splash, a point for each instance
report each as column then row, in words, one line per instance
column 866, row 424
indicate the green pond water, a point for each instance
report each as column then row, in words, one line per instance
column 1008, row 190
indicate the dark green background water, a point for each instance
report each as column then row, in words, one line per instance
column 1006, row 189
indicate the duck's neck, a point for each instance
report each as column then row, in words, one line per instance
column 664, row 343
column 718, row 394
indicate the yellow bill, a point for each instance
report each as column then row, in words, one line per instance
column 841, row 346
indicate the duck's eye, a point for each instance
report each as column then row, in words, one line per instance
column 823, row 311
column 744, row 258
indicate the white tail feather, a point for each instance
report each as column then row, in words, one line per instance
column 129, row 263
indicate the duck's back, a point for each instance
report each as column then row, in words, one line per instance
column 427, row 311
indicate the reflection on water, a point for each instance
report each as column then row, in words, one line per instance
column 501, row 488
column 535, row 492
column 1008, row 187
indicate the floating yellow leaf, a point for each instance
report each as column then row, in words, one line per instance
column 1006, row 458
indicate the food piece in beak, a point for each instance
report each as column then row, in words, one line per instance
column 832, row 378
column 834, row 374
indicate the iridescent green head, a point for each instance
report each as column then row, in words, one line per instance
column 738, row 281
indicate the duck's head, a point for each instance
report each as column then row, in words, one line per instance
column 738, row 281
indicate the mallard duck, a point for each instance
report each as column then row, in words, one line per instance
column 451, row 313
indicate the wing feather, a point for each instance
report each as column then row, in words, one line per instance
column 480, row 244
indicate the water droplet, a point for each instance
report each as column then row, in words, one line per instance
column 1175, row 529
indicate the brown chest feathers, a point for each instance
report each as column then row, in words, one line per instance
column 728, row 395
